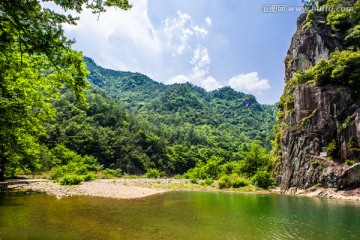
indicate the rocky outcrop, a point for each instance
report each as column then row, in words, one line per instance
column 320, row 129
column 351, row 178
column 309, row 45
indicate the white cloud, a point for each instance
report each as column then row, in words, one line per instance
column 200, row 71
column 200, row 58
column 121, row 40
column 200, row 31
column 249, row 83
column 208, row 21
column 127, row 40
column 210, row 83
column 178, row 79
column 181, row 34
column 180, row 31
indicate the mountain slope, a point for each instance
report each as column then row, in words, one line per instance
column 233, row 117
column 105, row 131
column 124, row 86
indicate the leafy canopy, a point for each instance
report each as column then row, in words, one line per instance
column 36, row 60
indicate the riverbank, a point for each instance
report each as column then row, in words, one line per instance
column 332, row 193
column 142, row 187
column 126, row 188
column 98, row 188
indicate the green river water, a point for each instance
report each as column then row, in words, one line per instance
column 178, row 215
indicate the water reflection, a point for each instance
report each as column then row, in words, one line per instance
column 186, row 215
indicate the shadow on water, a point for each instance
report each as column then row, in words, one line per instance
column 177, row 215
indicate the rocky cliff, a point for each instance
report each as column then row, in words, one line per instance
column 319, row 126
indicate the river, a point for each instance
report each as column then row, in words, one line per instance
column 178, row 215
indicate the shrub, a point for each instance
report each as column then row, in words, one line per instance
column 331, row 148
column 236, row 181
column 350, row 162
column 232, row 167
column 212, row 169
column 310, row 20
column 178, row 176
column 152, row 173
column 224, row 182
column 353, row 144
column 193, row 180
column 263, row 179
column 57, row 173
column 76, row 168
column 113, row 172
column 89, row 176
column 197, row 172
column 71, row 179
column 208, row 181
column 232, row 181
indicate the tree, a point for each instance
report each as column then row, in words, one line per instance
column 254, row 159
column 36, row 60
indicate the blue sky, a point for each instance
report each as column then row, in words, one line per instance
column 211, row 43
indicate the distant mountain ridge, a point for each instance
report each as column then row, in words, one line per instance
column 178, row 105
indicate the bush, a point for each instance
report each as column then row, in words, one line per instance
column 331, row 148
column 152, row 173
column 212, row 169
column 232, row 167
column 113, row 172
column 76, row 168
column 263, row 179
column 193, row 180
column 232, row 181
column 208, row 181
column 310, row 20
column 71, row 179
column 224, row 182
column 89, row 176
column 197, row 173
column 58, row 172
column 350, row 162
column 237, row 181
column 178, row 176
column 342, row 68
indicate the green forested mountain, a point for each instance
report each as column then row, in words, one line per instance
column 176, row 111
column 105, row 131
column 106, row 134
column 136, row 124
column 131, row 124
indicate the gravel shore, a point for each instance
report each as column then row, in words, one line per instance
column 98, row 188
column 348, row 194
column 142, row 187
column 116, row 188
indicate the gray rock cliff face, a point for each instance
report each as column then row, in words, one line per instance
column 321, row 119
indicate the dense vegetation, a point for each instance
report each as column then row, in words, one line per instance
column 124, row 123
column 186, row 113
column 36, row 60
column 121, row 141
column 196, row 126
